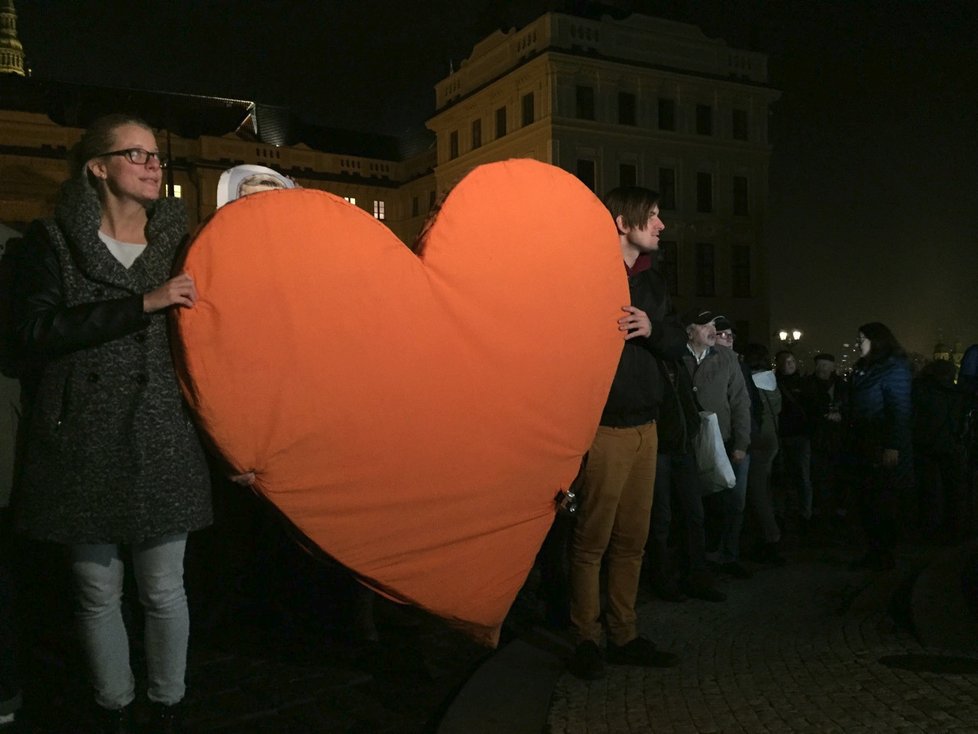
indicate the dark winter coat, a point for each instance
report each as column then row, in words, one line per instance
column 679, row 417
column 794, row 409
column 939, row 412
column 880, row 414
column 112, row 454
column 638, row 388
column 718, row 382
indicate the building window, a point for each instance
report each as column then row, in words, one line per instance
column 740, row 125
column 705, row 271
column 453, row 145
column 669, row 265
column 175, row 191
column 379, row 209
column 741, row 271
column 585, row 172
column 501, row 122
column 585, row 103
column 704, row 119
column 667, row 188
column 626, row 108
column 704, row 192
column 476, row 134
column 351, row 199
column 667, row 114
column 627, row 174
column 526, row 105
column 741, row 201
column 415, row 206
column 431, row 200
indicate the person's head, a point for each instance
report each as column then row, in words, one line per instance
column 757, row 357
column 785, row 363
column 249, row 179
column 700, row 331
column 876, row 342
column 824, row 366
column 636, row 214
column 725, row 332
column 119, row 157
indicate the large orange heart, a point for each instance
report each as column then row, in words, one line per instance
column 414, row 416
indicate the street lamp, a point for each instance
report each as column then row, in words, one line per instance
column 789, row 336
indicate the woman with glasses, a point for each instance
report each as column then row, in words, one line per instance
column 880, row 412
column 112, row 458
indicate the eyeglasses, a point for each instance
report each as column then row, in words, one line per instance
column 138, row 156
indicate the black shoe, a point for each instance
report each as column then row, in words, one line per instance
column 114, row 721
column 732, row 568
column 165, row 719
column 641, row 652
column 587, row 663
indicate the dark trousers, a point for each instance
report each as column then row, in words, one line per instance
column 878, row 500
column 677, row 479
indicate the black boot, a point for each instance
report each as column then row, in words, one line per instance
column 113, row 721
column 165, row 719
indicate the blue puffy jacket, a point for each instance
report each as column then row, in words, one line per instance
column 881, row 411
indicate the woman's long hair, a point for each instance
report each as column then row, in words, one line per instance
column 882, row 344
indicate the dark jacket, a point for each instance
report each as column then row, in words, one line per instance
column 679, row 417
column 718, row 382
column 794, row 419
column 880, row 411
column 939, row 412
column 112, row 454
column 821, row 398
column 637, row 388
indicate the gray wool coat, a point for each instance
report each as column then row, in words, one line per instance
column 112, row 455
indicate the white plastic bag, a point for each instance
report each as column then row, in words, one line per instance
column 712, row 462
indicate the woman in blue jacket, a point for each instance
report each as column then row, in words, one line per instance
column 880, row 438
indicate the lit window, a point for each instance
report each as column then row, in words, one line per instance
column 379, row 209
column 351, row 199
column 175, row 191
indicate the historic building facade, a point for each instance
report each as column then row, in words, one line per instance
column 636, row 101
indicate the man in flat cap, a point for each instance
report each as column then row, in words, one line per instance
column 718, row 381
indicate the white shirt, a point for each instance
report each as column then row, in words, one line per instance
column 125, row 252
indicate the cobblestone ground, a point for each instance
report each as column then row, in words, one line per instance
column 787, row 652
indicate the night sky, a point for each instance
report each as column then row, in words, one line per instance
column 874, row 176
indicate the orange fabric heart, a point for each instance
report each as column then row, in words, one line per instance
column 413, row 415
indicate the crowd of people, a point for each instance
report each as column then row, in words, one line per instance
column 871, row 458
column 110, row 465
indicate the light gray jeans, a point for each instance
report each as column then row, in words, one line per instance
column 98, row 574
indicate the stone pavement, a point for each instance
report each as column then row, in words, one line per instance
column 809, row 647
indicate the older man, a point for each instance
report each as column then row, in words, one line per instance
column 718, row 382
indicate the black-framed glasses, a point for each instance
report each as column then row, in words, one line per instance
column 139, row 156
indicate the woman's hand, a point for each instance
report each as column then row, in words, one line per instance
column 178, row 291
column 891, row 457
